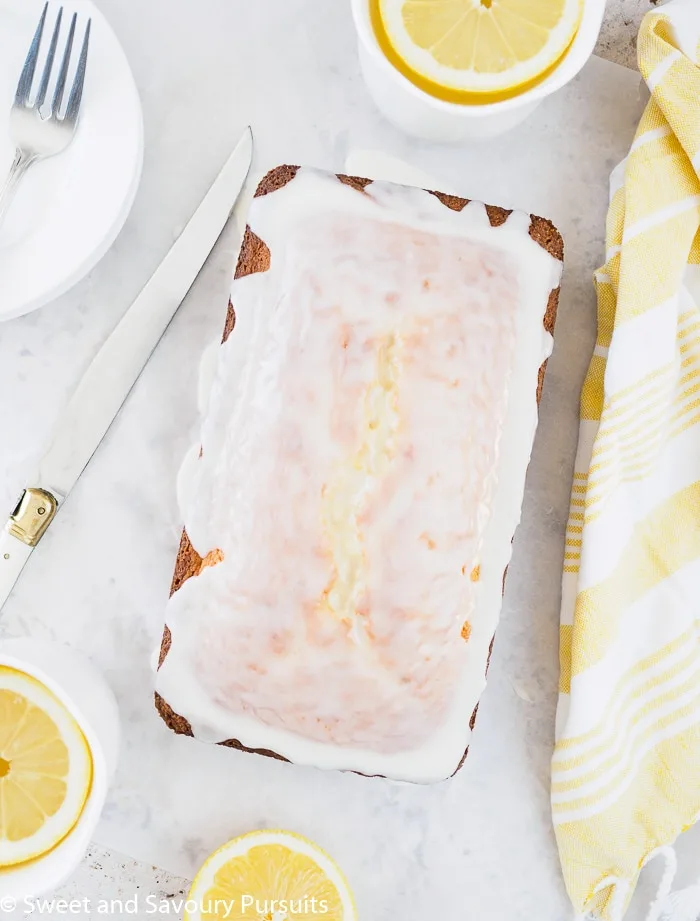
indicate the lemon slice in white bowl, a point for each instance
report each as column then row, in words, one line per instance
column 475, row 51
column 45, row 769
column 270, row 874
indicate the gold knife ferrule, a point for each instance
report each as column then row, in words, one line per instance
column 35, row 511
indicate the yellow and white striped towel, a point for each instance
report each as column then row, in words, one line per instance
column 626, row 767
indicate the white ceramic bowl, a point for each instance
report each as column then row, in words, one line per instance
column 424, row 116
column 82, row 689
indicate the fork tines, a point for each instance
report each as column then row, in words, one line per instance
column 26, row 80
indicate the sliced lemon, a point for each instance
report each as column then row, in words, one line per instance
column 475, row 50
column 45, row 769
column 268, row 875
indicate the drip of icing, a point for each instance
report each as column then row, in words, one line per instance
column 421, row 735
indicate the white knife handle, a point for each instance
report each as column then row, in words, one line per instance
column 33, row 514
column 13, row 555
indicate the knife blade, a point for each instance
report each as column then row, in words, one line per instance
column 115, row 369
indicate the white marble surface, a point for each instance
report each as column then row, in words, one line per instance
column 481, row 844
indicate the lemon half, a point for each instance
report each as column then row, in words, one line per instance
column 475, row 50
column 270, row 874
column 45, row 769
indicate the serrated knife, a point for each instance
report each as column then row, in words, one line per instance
column 115, row 369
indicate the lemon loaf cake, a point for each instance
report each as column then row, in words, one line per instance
column 349, row 517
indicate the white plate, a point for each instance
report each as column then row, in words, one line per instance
column 68, row 209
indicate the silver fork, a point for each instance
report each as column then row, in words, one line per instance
column 39, row 132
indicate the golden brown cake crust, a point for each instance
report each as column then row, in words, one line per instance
column 254, row 257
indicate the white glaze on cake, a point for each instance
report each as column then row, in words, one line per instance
column 365, row 445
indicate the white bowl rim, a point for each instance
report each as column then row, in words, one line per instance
column 575, row 58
